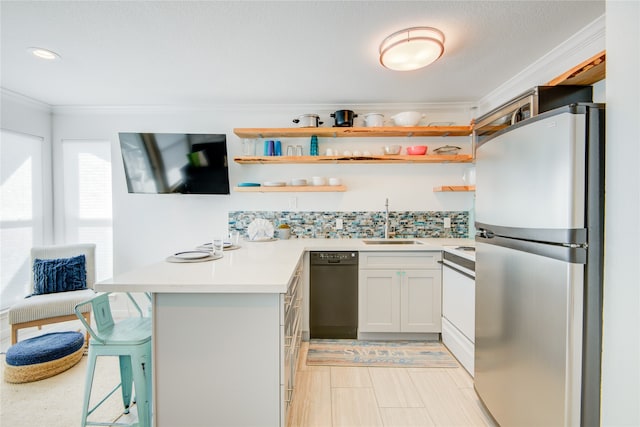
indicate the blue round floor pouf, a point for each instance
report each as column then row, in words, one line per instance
column 44, row 348
column 43, row 356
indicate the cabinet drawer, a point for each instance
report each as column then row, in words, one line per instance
column 402, row 260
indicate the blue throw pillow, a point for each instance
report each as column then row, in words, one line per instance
column 59, row 275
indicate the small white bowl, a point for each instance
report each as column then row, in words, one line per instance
column 318, row 180
column 298, row 181
column 334, row 181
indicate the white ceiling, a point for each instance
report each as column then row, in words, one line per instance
column 191, row 53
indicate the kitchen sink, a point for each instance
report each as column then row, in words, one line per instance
column 392, row 242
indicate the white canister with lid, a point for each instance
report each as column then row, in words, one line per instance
column 308, row 121
column 373, row 120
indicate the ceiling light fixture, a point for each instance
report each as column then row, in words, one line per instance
column 43, row 53
column 411, row 48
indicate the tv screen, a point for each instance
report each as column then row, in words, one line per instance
column 159, row 163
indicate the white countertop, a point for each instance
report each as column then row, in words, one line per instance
column 455, row 249
column 256, row 267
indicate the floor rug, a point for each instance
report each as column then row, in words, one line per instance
column 402, row 354
column 57, row 401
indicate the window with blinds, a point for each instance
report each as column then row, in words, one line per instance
column 87, row 199
column 21, row 211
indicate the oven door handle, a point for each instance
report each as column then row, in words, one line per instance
column 456, row 269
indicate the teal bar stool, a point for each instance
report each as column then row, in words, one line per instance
column 130, row 340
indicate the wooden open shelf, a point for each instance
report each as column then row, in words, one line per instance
column 351, row 132
column 439, row 158
column 292, row 189
column 446, row 188
column 586, row 73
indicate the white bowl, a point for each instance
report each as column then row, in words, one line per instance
column 407, row 118
column 318, row 180
column 298, row 181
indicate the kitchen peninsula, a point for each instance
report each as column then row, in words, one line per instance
column 224, row 348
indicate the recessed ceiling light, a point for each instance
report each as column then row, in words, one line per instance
column 43, row 53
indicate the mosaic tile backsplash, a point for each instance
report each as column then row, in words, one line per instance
column 359, row 225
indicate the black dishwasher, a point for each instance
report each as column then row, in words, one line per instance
column 333, row 299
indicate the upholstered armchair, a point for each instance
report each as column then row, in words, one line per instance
column 59, row 281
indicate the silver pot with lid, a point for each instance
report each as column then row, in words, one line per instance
column 308, row 121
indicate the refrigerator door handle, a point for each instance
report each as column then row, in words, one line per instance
column 551, row 235
column 485, row 234
column 561, row 252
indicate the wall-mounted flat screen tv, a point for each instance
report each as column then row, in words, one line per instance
column 159, row 163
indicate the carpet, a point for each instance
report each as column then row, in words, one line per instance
column 402, row 354
column 57, row 401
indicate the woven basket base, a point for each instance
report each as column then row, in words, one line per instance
column 40, row 371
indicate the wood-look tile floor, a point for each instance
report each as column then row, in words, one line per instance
column 328, row 396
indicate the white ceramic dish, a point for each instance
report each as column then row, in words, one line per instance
column 209, row 257
column 298, row 181
column 407, row 118
column 274, row 184
column 192, row 254
column 260, row 229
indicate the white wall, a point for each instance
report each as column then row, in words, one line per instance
column 148, row 228
column 621, row 335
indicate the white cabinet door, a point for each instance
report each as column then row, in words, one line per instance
column 420, row 306
column 379, row 301
column 400, row 292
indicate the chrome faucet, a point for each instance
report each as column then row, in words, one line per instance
column 386, row 219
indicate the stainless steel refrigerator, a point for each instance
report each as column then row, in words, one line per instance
column 539, row 258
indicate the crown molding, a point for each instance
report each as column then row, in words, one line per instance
column 176, row 109
column 576, row 49
column 18, row 98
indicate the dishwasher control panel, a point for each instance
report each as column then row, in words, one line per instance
column 340, row 257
